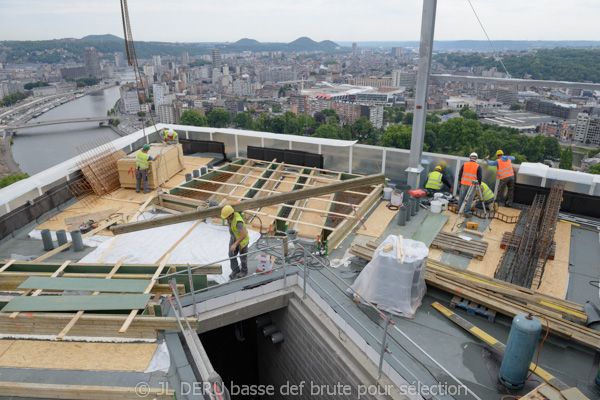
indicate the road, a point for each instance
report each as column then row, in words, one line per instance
column 8, row 165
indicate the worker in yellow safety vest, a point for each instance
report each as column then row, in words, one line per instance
column 488, row 198
column 436, row 180
column 238, row 242
column 505, row 175
column 142, row 163
column 171, row 137
column 470, row 173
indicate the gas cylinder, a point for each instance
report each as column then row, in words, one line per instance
column 522, row 342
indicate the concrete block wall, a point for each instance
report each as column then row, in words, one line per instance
column 306, row 357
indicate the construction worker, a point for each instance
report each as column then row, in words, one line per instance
column 488, row 198
column 238, row 242
column 470, row 173
column 171, row 137
column 504, row 175
column 142, row 163
column 436, row 180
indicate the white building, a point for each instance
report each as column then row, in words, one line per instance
column 119, row 60
column 149, row 70
column 129, row 99
column 159, row 92
column 402, row 78
column 157, row 63
column 376, row 116
column 44, row 91
column 166, row 114
column 587, row 129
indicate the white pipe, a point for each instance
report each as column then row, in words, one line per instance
column 437, row 363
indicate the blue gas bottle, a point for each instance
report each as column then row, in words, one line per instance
column 522, row 342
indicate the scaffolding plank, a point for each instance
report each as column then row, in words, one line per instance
column 430, row 228
column 76, row 303
column 87, row 284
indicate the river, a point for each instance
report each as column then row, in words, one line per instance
column 37, row 149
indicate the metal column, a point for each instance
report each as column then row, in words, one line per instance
column 418, row 129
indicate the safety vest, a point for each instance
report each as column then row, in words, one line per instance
column 434, row 180
column 169, row 138
column 486, row 192
column 469, row 174
column 238, row 218
column 141, row 160
column 504, row 170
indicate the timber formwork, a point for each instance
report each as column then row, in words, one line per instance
column 20, row 279
column 328, row 218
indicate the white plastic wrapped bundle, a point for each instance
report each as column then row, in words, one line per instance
column 394, row 280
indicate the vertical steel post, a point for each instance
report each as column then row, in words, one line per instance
column 418, row 129
column 283, row 264
column 189, row 271
column 383, row 344
column 305, row 276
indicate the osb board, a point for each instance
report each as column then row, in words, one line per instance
column 168, row 164
column 76, row 356
column 554, row 280
column 316, row 218
column 377, row 222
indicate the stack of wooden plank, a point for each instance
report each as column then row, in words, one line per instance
column 453, row 243
column 564, row 317
column 161, row 170
column 506, row 236
column 546, row 391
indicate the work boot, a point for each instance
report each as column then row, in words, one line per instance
column 233, row 276
column 241, row 274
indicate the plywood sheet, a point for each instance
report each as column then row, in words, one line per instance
column 308, row 231
column 554, row 280
column 86, row 284
column 76, row 356
column 430, row 228
column 78, row 303
column 161, row 170
column 377, row 222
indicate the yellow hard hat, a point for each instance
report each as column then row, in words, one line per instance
column 438, row 168
column 499, row 153
column 226, row 211
column 443, row 164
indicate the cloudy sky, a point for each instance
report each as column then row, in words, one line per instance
column 286, row 20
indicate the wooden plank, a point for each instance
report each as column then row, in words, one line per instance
column 473, row 232
column 7, row 265
column 573, row 394
column 178, row 242
column 59, row 391
column 75, row 303
column 252, row 204
column 142, row 208
column 377, row 222
column 430, row 228
column 133, row 313
column 74, row 320
column 86, row 284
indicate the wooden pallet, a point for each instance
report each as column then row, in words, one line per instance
column 473, row 308
column 509, row 219
column 452, row 243
column 517, row 237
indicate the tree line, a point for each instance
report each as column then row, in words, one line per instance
column 576, row 65
column 457, row 136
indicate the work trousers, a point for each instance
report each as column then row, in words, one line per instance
column 463, row 193
column 141, row 174
column 510, row 183
column 242, row 255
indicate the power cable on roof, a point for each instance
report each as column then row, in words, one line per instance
column 488, row 38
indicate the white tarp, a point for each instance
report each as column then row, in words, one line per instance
column 207, row 243
column 394, row 285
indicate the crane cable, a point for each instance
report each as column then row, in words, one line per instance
column 488, row 38
column 132, row 61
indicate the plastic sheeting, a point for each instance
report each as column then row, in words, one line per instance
column 161, row 360
column 394, row 286
column 206, row 244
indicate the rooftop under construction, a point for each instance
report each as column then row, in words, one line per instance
column 152, row 288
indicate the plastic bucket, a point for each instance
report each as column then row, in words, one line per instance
column 437, row 196
column 436, row 207
column 444, row 204
column 387, row 193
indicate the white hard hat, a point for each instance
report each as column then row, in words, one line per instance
column 171, row 131
column 473, row 155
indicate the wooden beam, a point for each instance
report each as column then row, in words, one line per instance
column 133, row 313
column 291, row 220
column 252, row 204
column 177, row 243
column 5, row 266
column 95, row 216
column 74, row 320
column 255, row 161
column 60, row 391
column 37, row 292
column 142, row 208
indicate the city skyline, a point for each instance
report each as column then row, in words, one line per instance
column 344, row 21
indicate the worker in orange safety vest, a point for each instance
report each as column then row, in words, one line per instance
column 505, row 175
column 470, row 173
